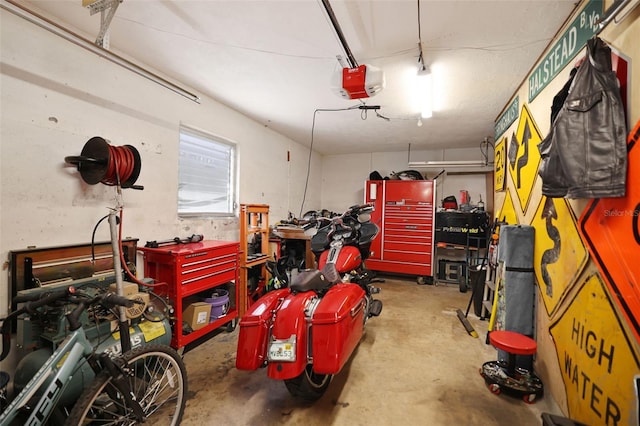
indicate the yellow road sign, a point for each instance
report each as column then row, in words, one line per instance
column 598, row 361
column 523, row 157
column 560, row 255
column 507, row 212
column 499, row 164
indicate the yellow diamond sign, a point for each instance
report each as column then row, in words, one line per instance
column 598, row 362
column 523, row 157
column 560, row 254
column 507, row 213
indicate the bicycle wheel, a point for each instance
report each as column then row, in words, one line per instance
column 158, row 380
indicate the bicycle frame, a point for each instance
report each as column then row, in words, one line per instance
column 62, row 364
column 70, row 353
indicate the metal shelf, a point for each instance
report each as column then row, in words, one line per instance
column 254, row 220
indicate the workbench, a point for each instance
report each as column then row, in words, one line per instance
column 461, row 242
column 282, row 234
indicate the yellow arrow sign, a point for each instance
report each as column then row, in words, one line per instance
column 523, row 157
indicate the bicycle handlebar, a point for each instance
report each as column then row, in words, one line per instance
column 33, row 301
column 107, row 299
column 323, row 221
column 36, row 301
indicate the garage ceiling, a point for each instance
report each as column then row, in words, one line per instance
column 274, row 60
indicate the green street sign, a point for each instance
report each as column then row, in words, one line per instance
column 507, row 118
column 583, row 27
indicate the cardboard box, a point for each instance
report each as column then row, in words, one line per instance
column 197, row 314
column 127, row 287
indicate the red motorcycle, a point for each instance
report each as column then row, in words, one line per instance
column 304, row 334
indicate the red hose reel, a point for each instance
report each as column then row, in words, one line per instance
column 100, row 162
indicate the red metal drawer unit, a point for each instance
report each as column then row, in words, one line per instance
column 405, row 213
column 193, row 268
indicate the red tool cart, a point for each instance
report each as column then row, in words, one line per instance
column 192, row 271
column 405, row 213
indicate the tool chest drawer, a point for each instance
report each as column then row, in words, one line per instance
column 409, row 210
column 209, row 267
column 408, row 224
column 422, row 258
column 404, row 229
column 408, row 246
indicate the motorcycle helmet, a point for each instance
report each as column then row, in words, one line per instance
column 407, row 175
column 450, row 202
column 375, row 175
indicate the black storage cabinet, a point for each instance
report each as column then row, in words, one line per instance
column 462, row 228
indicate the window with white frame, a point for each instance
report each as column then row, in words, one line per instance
column 206, row 174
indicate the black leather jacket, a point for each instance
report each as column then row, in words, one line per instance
column 585, row 153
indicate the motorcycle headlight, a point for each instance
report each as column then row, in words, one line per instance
column 364, row 217
column 311, row 232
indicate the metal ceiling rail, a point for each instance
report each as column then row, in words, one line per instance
column 336, row 26
column 612, row 12
column 31, row 16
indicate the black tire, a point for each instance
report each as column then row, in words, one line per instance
column 230, row 326
column 308, row 386
column 158, row 380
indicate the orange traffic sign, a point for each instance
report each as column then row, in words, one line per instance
column 611, row 229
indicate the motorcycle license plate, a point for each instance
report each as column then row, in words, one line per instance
column 283, row 350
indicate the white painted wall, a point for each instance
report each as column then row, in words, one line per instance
column 55, row 96
column 343, row 176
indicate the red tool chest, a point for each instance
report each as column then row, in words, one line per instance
column 190, row 270
column 405, row 213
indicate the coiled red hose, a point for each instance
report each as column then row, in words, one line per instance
column 120, row 167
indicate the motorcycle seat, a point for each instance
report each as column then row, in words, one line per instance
column 309, row 280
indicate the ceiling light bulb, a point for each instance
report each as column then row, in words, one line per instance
column 420, row 122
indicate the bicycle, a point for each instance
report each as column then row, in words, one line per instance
column 144, row 384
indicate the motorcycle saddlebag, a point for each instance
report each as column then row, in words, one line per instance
column 337, row 327
column 254, row 331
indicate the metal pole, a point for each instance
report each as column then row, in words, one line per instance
column 31, row 16
column 611, row 13
column 336, row 26
column 123, row 323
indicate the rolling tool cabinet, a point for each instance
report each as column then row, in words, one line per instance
column 405, row 213
column 193, row 269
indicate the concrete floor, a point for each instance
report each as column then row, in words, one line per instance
column 416, row 365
